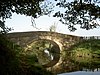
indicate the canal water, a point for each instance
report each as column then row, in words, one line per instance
column 81, row 73
column 79, row 66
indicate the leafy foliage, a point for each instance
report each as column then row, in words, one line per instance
column 4, row 29
column 14, row 62
column 91, row 46
column 33, row 8
column 26, row 7
column 79, row 12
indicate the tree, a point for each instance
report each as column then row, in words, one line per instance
column 32, row 8
column 53, row 28
column 79, row 12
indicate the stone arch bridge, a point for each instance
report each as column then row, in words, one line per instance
column 62, row 40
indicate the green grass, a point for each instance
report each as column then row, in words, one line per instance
column 87, row 47
column 15, row 61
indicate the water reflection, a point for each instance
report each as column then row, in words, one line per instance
column 80, row 65
column 47, row 51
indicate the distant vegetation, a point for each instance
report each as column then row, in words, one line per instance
column 87, row 53
column 87, row 48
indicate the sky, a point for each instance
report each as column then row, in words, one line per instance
column 22, row 23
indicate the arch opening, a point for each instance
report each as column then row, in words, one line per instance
column 47, row 51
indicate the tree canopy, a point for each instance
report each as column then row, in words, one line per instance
column 32, row 8
column 77, row 12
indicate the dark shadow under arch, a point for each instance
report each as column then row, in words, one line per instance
column 56, row 57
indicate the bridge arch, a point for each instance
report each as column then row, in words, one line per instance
column 55, row 48
column 62, row 40
column 52, row 38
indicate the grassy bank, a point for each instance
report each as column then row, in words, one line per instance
column 87, row 48
column 14, row 61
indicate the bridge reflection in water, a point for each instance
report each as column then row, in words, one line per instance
column 47, row 51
